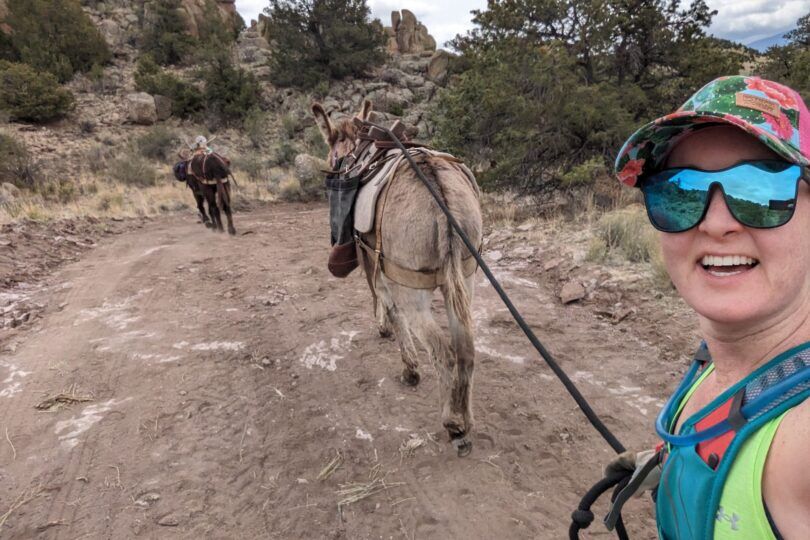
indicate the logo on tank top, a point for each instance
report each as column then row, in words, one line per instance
column 733, row 519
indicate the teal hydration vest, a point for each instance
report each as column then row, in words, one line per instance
column 699, row 457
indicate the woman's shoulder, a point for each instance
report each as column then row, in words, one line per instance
column 786, row 483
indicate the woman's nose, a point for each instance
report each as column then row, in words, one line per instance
column 718, row 221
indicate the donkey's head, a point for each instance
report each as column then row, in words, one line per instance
column 341, row 138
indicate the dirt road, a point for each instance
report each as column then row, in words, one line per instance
column 222, row 375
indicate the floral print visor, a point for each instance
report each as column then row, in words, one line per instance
column 771, row 112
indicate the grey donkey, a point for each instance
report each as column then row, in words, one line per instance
column 417, row 236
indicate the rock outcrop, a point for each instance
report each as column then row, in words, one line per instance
column 193, row 12
column 439, row 64
column 407, row 35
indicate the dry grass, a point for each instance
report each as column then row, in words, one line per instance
column 22, row 499
column 357, row 491
column 626, row 234
column 63, row 399
column 330, row 468
column 408, row 448
column 629, row 231
column 104, row 199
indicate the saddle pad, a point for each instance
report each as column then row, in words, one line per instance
column 366, row 204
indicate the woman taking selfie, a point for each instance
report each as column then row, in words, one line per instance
column 726, row 181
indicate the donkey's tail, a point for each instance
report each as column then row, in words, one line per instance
column 223, row 200
column 459, row 298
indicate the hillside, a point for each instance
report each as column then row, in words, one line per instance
column 100, row 139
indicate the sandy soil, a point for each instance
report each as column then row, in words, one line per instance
column 200, row 384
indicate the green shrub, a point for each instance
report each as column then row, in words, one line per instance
column 30, row 95
column 230, row 91
column 17, row 166
column 527, row 104
column 585, row 173
column 251, row 165
column 254, row 126
column 133, row 170
column 150, row 78
column 313, row 139
column 282, row 155
column 289, row 126
column 165, row 36
column 158, row 143
column 317, row 40
column 55, row 36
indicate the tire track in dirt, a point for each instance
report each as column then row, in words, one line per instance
column 227, row 372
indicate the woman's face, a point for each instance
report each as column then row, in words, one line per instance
column 777, row 285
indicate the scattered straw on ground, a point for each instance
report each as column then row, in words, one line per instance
column 331, row 467
column 22, row 499
column 408, row 448
column 64, row 399
column 13, row 450
column 354, row 492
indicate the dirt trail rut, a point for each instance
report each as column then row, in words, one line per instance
column 224, row 374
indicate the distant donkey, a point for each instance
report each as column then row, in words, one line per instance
column 206, row 173
column 212, row 171
column 411, row 251
column 181, row 174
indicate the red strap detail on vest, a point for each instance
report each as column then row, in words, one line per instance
column 720, row 444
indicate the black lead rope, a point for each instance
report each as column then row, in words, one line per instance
column 582, row 517
column 582, row 403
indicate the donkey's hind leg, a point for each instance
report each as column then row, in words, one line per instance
column 412, row 318
column 213, row 209
column 226, row 203
column 457, row 416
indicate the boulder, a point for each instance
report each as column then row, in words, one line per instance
column 163, row 107
column 9, row 191
column 114, row 34
column 308, row 171
column 439, row 63
column 572, row 291
column 141, row 109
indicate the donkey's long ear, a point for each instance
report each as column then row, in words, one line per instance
column 324, row 124
column 366, row 110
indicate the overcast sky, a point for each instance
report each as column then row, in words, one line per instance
column 741, row 20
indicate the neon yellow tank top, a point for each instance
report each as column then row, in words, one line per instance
column 741, row 514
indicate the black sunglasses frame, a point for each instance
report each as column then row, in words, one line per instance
column 805, row 175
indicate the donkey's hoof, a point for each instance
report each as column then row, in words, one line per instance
column 232, row 232
column 385, row 332
column 463, row 446
column 410, row 378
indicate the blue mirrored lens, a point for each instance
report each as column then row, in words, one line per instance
column 760, row 194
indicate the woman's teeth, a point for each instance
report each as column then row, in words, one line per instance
column 727, row 265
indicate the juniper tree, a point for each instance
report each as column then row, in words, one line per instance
column 320, row 39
